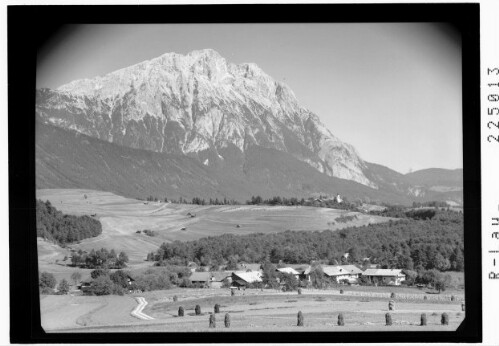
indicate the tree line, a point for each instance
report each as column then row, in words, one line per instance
column 194, row 200
column 320, row 202
column 419, row 244
column 55, row 226
column 102, row 258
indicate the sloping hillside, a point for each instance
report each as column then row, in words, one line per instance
column 122, row 217
column 437, row 177
column 68, row 159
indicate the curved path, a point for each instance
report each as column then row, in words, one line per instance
column 137, row 312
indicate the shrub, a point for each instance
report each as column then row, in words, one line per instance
column 388, row 319
column 181, row 312
column 445, row 319
column 341, row 321
column 217, row 308
column 423, row 319
column 149, row 233
column 289, row 281
column 46, row 290
column 300, row 319
column 227, row 320
column 153, row 281
column 102, row 286
column 213, row 322
column 186, row 282
column 99, row 272
column 47, row 280
column 76, row 276
column 198, row 310
column 63, row 287
column 120, row 277
column 175, row 298
column 391, row 305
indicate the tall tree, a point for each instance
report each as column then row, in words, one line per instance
column 63, row 287
column 47, row 280
column 76, row 276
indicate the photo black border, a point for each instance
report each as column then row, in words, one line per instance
column 30, row 27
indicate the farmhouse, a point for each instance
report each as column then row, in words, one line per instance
column 289, row 270
column 344, row 272
column 201, row 278
column 84, row 286
column 384, row 276
column 242, row 279
column 249, row 266
column 303, row 272
column 218, row 278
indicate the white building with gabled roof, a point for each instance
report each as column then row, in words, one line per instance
column 342, row 272
column 384, row 276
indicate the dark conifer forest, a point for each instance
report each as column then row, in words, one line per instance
column 412, row 243
column 55, row 226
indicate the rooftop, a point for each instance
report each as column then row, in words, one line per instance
column 251, row 276
column 383, row 272
column 288, row 270
column 200, row 276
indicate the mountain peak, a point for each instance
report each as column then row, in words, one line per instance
column 199, row 104
column 205, row 52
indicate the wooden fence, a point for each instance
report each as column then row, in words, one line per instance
column 399, row 296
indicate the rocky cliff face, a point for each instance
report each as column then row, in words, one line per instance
column 202, row 106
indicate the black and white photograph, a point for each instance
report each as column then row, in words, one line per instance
column 211, row 177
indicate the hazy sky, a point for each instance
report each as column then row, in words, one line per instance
column 391, row 90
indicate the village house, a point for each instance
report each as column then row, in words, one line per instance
column 218, row 278
column 84, row 286
column 349, row 273
column 202, row 279
column 289, row 270
column 303, row 271
column 384, row 276
column 244, row 278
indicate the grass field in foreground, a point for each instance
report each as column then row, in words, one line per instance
column 253, row 311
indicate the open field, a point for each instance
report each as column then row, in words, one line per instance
column 121, row 217
column 250, row 310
